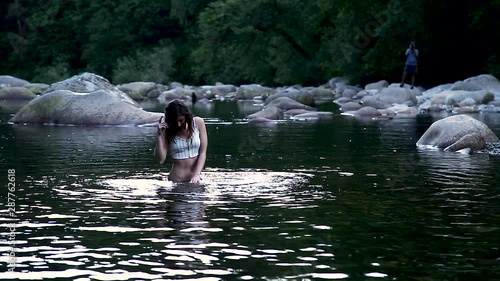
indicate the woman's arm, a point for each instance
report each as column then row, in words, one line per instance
column 161, row 142
column 202, row 155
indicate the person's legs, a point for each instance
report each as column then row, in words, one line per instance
column 403, row 79
column 412, row 81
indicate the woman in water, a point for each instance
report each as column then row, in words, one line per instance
column 185, row 138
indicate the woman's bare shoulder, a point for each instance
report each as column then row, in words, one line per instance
column 199, row 120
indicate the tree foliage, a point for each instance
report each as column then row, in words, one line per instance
column 273, row 42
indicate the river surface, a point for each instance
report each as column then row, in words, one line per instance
column 344, row 198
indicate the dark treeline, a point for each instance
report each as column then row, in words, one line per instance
column 272, row 42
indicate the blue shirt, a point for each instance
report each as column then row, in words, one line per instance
column 412, row 57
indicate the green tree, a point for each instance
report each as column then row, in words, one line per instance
column 271, row 42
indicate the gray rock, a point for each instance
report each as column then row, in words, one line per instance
column 342, row 100
column 270, row 112
column 367, row 111
column 16, row 93
column 457, row 132
column 404, row 110
column 436, row 90
column 455, row 97
column 137, row 89
column 365, row 93
column 396, row 95
column 260, row 120
column 336, row 82
column 177, row 93
column 88, row 83
column 465, row 110
column 97, row 108
column 174, row 85
column 377, row 86
column 154, row 94
column 293, row 112
column 350, row 106
column 373, row 102
column 211, row 92
column 11, row 81
column 313, row 115
column 246, row 92
column 486, row 82
column 302, row 97
column 464, row 86
column 467, row 102
column 285, row 103
column 320, row 93
column 425, row 106
column 349, row 93
column 36, row 88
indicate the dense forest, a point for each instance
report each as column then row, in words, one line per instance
column 271, row 42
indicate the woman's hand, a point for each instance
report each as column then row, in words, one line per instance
column 195, row 179
column 162, row 126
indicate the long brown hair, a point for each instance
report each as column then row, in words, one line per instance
column 173, row 110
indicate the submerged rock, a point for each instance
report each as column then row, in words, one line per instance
column 271, row 112
column 286, row 103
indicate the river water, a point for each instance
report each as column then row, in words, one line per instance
column 344, row 198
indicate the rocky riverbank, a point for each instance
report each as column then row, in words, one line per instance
column 89, row 99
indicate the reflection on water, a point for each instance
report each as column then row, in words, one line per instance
column 340, row 199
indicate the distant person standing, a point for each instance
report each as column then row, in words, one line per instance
column 411, row 64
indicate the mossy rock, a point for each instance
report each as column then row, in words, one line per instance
column 135, row 96
column 96, row 108
column 16, row 93
column 302, row 97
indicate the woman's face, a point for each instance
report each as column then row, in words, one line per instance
column 179, row 123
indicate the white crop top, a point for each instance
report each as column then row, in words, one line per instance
column 182, row 148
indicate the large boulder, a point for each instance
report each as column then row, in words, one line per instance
column 88, row 83
column 436, row 90
column 457, row 132
column 11, row 81
column 97, row 108
column 286, row 103
column 297, row 95
column 397, row 96
column 377, row 86
column 16, row 93
column 486, row 82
